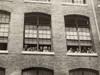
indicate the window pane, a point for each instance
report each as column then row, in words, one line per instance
column 75, row 1
column 86, row 43
column 72, row 42
column 3, row 46
column 77, row 30
column 44, row 41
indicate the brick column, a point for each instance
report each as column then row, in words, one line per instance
column 15, row 43
column 59, row 40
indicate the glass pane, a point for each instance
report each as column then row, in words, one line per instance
column 44, row 41
column 86, row 43
column 72, row 37
column 4, row 17
column 72, row 42
column 3, row 46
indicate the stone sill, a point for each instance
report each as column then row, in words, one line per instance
column 98, row 5
column 82, row 54
column 74, row 4
column 37, row 1
column 38, row 53
column 3, row 51
column 6, row 0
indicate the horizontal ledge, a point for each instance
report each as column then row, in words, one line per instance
column 7, row 0
column 98, row 5
column 3, row 51
column 38, row 2
column 39, row 53
column 82, row 54
column 64, row 3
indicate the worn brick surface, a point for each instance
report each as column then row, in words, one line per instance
column 14, row 62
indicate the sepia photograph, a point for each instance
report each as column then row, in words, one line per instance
column 49, row 37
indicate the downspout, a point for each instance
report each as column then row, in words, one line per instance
column 94, row 13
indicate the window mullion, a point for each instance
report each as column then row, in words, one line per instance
column 78, row 34
column 84, row 1
column 72, row 1
column 51, row 37
column 37, row 33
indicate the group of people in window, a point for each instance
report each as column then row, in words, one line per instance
column 36, row 22
column 34, row 48
column 77, row 50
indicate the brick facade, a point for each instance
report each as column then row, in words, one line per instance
column 15, row 61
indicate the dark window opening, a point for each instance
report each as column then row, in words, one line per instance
column 2, row 71
column 37, row 71
column 83, row 72
column 78, row 35
column 4, row 27
column 75, row 1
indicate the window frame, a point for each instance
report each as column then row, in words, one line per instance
column 73, row 2
column 37, row 38
column 7, row 14
column 37, row 70
column 81, row 71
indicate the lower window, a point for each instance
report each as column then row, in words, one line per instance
column 78, row 34
column 83, row 72
column 37, row 71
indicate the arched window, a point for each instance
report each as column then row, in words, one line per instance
column 75, row 1
column 83, row 72
column 37, row 32
column 2, row 71
column 4, row 26
column 37, row 71
column 38, row 0
column 78, row 34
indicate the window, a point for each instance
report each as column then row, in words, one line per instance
column 4, row 26
column 38, row 0
column 2, row 71
column 75, row 1
column 83, row 72
column 37, row 32
column 78, row 34
column 37, row 71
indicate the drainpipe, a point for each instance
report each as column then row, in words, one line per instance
column 94, row 13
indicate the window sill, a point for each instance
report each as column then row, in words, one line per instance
column 82, row 54
column 6, row 0
column 99, row 5
column 30, row 1
column 3, row 51
column 64, row 3
column 38, row 53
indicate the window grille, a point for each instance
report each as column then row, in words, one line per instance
column 37, row 33
column 78, row 35
column 4, row 27
column 75, row 1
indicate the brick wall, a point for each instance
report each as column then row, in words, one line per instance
column 61, row 63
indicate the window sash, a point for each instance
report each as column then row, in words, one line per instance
column 41, row 31
column 75, row 1
column 4, row 29
column 77, row 34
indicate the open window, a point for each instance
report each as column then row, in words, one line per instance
column 78, row 34
column 75, row 1
column 82, row 71
column 2, row 71
column 37, row 32
column 4, row 27
column 37, row 71
column 37, row 0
